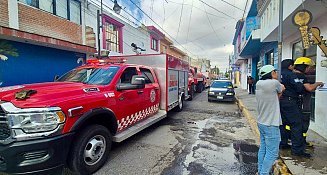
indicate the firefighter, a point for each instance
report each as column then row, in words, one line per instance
column 296, row 85
column 286, row 71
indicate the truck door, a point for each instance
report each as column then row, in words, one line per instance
column 129, row 102
column 151, row 92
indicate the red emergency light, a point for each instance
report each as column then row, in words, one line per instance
column 106, row 61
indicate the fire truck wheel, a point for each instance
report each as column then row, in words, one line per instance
column 90, row 149
column 180, row 105
column 199, row 87
column 191, row 93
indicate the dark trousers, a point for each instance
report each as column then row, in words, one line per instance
column 306, row 123
column 251, row 89
column 292, row 117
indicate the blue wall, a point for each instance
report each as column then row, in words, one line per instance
column 267, row 47
column 36, row 64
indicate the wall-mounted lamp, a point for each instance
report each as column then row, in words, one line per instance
column 117, row 7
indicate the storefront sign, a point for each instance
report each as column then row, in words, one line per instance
column 302, row 18
column 317, row 39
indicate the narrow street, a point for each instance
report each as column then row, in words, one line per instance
column 198, row 140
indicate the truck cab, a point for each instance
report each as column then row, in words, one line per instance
column 42, row 123
column 73, row 121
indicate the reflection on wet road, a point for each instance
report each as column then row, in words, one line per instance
column 214, row 140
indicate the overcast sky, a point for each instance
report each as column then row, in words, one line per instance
column 199, row 29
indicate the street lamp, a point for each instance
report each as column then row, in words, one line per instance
column 117, row 7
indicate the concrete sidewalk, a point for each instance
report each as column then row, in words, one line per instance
column 288, row 164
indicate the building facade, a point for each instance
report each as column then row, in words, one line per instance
column 247, row 46
column 314, row 103
column 32, row 31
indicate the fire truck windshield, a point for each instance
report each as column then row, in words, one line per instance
column 99, row 76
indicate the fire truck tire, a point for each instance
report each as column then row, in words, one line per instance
column 191, row 93
column 90, row 150
column 199, row 87
column 180, row 105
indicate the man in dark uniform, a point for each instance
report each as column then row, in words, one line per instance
column 296, row 84
column 286, row 71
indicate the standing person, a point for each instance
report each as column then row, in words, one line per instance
column 291, row 103
column 250, row 83
column 269, row 118
column 287, row 66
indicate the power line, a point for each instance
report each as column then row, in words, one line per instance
column 246, row 4
column 189, row 22
column 164, row 11
column 180, row 19
column 198, row 9
column 160, row 27
column 211, row 24
column 217, row 9
column 232, row 5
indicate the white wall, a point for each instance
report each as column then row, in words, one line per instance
column 244, row 74
column 270, row 16
column 140, row 37
column 288, row 43
column 320, row 124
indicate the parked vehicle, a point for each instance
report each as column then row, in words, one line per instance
column 199, row 79
column 74, row 121
column 221, row 90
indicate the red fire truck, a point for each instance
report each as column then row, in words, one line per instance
column 199, row 79
column 73, row 121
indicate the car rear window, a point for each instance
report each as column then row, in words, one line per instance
column 221, row 84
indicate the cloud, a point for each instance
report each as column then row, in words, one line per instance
column 206, row 34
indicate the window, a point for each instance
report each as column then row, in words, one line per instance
column 112, row 34
column 62, row 8
column 126, row 77
column 68, row 9
column 75, row 11
column 270, row 57
column 154, row 44
column 46, row 5
column 112, row 39
column 34, row 3
column 99, row 76
column 148, row 75
column 298, row 51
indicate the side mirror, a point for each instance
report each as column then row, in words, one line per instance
column 138, row 82
column 56, row 78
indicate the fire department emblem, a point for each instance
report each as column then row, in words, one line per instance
column 152, row 96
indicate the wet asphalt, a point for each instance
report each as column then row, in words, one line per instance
column 206, row 138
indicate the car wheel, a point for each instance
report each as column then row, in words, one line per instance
column 180, row 105
column 90, row 149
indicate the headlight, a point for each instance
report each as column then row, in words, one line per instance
column 36, row 122
column 211, row 93
column 229, row 93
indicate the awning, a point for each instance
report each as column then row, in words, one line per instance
column 21, row 36
column 251, row 48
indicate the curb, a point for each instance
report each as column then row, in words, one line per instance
column 279, row 168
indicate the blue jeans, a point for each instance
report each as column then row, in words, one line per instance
column 269, row 148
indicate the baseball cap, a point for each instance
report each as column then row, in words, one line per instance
column 264, row 70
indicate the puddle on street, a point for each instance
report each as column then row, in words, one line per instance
column 208, row 157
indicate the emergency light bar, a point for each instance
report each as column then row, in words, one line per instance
column 106, row 61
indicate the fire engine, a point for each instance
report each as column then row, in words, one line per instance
column 73, row 121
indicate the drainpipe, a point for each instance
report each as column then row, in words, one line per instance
column 280, row 37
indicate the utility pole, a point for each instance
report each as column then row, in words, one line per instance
column 99, row 26
column 280, row 37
